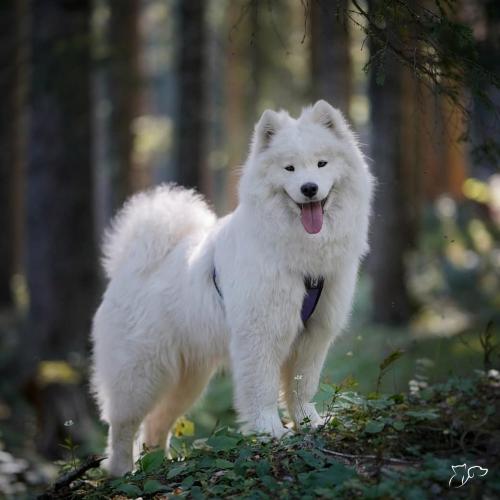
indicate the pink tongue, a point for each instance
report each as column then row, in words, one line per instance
column 312, row 217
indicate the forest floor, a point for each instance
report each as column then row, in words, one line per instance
column 395, row 428
column 434, row 441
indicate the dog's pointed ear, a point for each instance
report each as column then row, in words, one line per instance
column 265, row 130
column 330, row 118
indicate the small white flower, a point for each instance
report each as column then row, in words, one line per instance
column 298, row 377
column 68, row 423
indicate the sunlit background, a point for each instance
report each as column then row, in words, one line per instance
column 102, row 99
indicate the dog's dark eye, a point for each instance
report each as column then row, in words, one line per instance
column 322, row 163
column 290, row 168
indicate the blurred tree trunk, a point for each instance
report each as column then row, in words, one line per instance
column 8, row 83
column 124, row 84
column 330, row 56
column 391, row 231
column 191, row 136
column 237, row 76
column 486, row 123
column 61, row 251
column 256, row 57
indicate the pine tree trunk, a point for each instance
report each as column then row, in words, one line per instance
column 191, row 137
column 486, row 124
column 124, row 83
column 391, row 229
column 8, row 61
column 61, row 251
column 236, row 76
column 330, row 56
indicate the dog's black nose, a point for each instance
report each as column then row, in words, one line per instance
column 309, row 189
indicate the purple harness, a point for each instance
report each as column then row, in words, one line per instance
column 313, row 286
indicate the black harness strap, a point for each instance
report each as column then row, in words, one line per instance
column 214, row 278
column 313, row 286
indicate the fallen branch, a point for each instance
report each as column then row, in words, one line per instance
column 368, row 457
column 65, row 480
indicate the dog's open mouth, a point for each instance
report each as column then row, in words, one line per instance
column 311, row 213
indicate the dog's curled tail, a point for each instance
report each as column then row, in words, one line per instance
column 150, row 224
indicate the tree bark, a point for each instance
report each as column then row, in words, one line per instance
column 485, row 122
column 330, row 57
column 391, row 221
column 236, row 76
column 124, row 84
column 191, row 137
column 61, row 251
column 8, row 71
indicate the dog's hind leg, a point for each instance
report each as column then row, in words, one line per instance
column 157, row 424
column 173, row 404
column 120, row 442
column 130, row 397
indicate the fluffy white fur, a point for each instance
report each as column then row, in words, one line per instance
column 162, row 329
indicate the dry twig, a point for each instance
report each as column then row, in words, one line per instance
column 65, row 480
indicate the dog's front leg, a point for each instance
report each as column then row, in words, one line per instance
column 302, row 369
column 301, row 373
column 256, row 357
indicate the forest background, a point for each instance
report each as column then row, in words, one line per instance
column 103, row 98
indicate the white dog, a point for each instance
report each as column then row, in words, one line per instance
column 265, row 289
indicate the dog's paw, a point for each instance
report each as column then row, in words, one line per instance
column 265, row 436
column 319, row 421
column 116, row 468
column 307, row 416
column 282, row 432
column 268, row 427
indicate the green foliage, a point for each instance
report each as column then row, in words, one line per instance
column 149, row 462
column 378, row 446
column 454, row 274
column 386, row 363
column 431, row 41
column 71, row 447
column 222, row 443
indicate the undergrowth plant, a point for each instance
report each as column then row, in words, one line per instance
column 403, row 445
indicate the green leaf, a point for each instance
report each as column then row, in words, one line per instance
column 206, row 462
column 380, row 404
column 197, row 493
column 131, row 490
column 154, row 486
column 310, row 459
column 222, row 443
column 373, row 427
column 334, row 475
column 398, row 398
column 328, row 388
column 269, row 482
column 152, row 460
column 176, row 471
column 220, row 463
column 394, row 356
column 187, row 483
column 423, row 414
column 263, row 467
column 326, row 493
column 398, row 425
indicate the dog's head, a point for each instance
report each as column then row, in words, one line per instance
column 306, row 170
